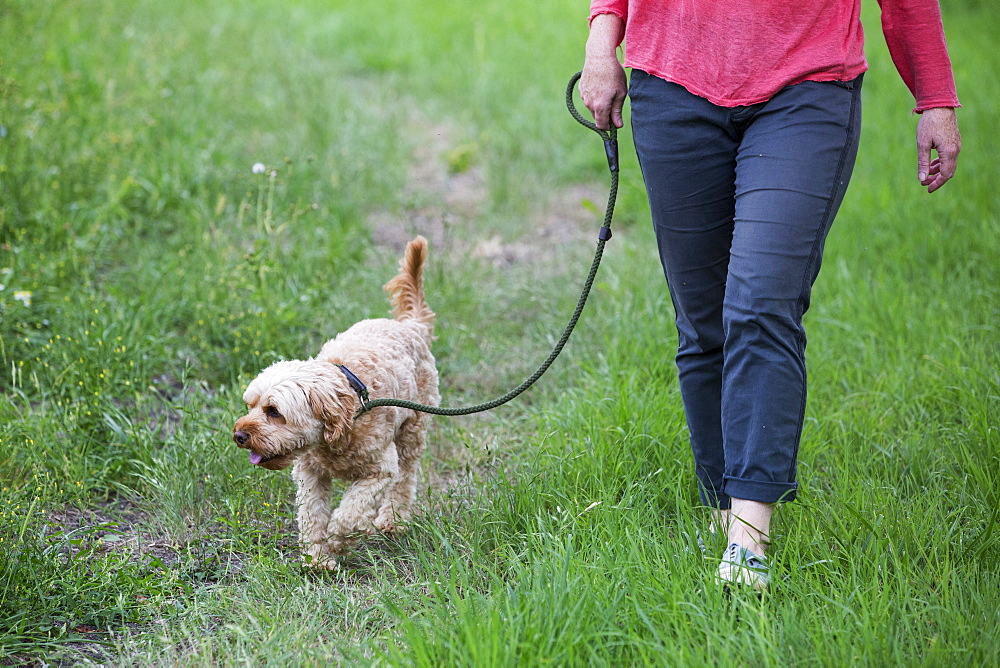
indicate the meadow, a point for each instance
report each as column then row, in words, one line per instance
column 148, row 272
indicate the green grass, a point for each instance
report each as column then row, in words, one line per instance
column 148, row 274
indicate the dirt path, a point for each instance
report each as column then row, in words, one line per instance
column 451, row 209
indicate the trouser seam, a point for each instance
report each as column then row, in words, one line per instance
column 817, row 242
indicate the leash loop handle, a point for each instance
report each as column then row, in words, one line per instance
column 610, row 136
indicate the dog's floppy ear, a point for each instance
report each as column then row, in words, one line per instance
column 334, row 406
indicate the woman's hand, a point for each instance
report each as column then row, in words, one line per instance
column 603, row 86
column 937, row 130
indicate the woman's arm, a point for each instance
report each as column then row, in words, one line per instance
column 915, row 36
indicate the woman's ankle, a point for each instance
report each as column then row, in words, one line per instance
column 719, row 523
column 750, row 525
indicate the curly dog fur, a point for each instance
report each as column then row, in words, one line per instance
column 303, row 412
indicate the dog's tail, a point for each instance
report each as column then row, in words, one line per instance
column 406, row 290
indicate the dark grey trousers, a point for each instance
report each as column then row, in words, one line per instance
column 742, row 200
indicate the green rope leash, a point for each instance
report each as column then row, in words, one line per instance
column 611, row 150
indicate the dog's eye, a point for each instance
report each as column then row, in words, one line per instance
column 272, row 412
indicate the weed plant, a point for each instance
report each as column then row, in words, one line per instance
column 190, row 191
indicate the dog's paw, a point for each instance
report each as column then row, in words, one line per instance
column 383, row 525
column 393, row 526
column 391, row 520
column 320, row 563
column 319, row 557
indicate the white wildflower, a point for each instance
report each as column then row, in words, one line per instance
column 23, row 296
column 258, row 168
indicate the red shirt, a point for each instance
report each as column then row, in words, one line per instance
column 741, row 52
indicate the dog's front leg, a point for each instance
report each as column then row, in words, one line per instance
column 410, row 445
column 312, row 497
column 356, row 513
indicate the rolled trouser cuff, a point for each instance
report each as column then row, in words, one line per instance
column 762, row 492
column 712, row 498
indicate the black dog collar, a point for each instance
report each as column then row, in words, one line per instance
column 355, row 383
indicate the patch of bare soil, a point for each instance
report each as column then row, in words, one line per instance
column 114, row 526
column 449, row 206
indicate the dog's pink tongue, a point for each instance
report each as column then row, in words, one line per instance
column 255, row 458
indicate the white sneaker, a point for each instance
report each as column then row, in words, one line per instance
column 741, row 566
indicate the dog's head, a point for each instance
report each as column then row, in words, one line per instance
column 291, row 408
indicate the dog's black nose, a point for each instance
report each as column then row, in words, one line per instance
column 241, row 437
